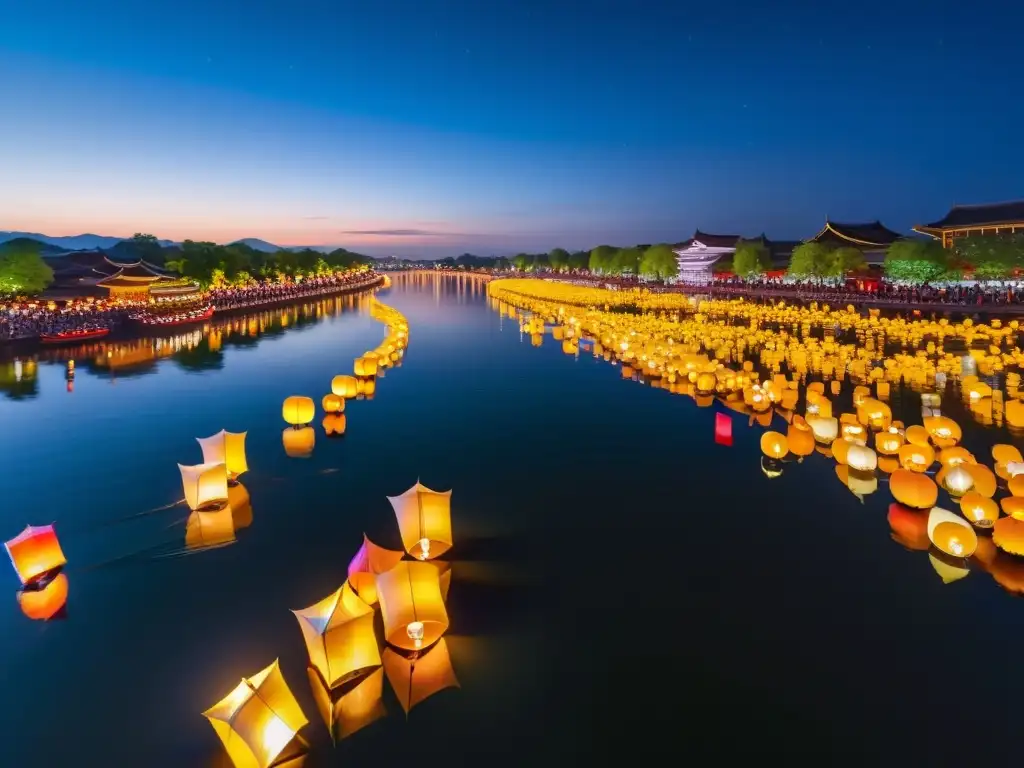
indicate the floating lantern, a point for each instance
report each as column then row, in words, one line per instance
column 984, row 479
column 1005, row 454
column 1015, row 413
column 913, row 489
column 948, row 571
column 980, row 511
column 874, row 413
column 334, row 424
column 774, row 445
column 298, row 411
column 299, row 443
column 854, row 431
column 365, row 366
column 825, row 429
column 36, row 554
column 411, row 605
column 800, row 438
column 1014, row 468
column 888, row 464
column 424, row 520
column 47, row 602
column 917, row 435
column 861, row 458
column 957, row 481
column 240, row 505
column 227, row 448
column 258, row 719
column 339, row 636
column 916, row 457
column 951, row 534
column 205, row 485
column 909, row 527
column 771, row 468
column 706, row 383
column 1013, row 506
column 368, row 562
column 353, row 710
column 861, row 484
column 332, row 403
column 210, row 529
column 723, row 429
column 344, row 386
column 889, row 442
column 943, row 431
column 416, row 679
column 954, row 456
column 1008, row 535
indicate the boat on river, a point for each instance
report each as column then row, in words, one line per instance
column 73, row 337
column 156, row 321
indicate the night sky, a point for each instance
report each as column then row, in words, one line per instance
column 431, row 128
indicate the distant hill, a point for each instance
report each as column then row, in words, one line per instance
column 86, row 242
column 257, row 245
column 30, row 244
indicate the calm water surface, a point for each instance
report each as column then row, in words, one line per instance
column 621, row 584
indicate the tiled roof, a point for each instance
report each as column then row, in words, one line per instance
column 866, row 233
column 979, row 215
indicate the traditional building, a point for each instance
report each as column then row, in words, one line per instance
column 697, row 255
column 964, row 220
column 83, row 273
column 134, row 281
column 871, row 238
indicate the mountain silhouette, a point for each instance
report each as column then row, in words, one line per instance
column 85, row 242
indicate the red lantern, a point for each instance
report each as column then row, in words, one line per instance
column 46, row 603
column 723, row 429
column 35, row 553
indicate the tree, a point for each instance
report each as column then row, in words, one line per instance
column 579, row 260
column 993, row 256
column 916, row 261
column 601, row 258
column 522, row 261
column 659, row 262
column 751, row 258
column 846, row 260
column 812, row 260
column 558, row 258
column 24, row 271
column 722, row 265
column 627, row 261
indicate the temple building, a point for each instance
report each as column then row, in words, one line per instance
column 965, row 220
column 871, row 238
column 85, row 273
column 697, row 255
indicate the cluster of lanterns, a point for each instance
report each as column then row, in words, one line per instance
column 219, row 504
column 686, row 346
column 259, row 720
column 299, row 439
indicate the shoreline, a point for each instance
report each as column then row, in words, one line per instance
column 128, row 330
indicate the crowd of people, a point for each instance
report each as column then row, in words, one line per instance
column 270, row 293
column 31, row 320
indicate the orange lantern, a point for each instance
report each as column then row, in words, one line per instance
column 774, row 445
column 45, row 603
column 980, row 511
column 913, row 489
column 35, row 553
column 800, row 438
column 370, row 561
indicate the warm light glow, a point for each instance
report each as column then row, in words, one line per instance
column 410, row 593
column 957, row 481
column 424, row 514
column 416, row 679
column 210, row 528
column 205, row 485
column 415, row 632
column 47, row 602
column 339, row 636
column 299, row 443
column 35, row 553
column 298, row 410
column 226, row 448
column 951, row 534
column 368, row 562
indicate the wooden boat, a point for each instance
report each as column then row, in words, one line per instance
column 154, row 322
column 72, row 337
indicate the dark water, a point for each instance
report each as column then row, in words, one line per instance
column 623, row 587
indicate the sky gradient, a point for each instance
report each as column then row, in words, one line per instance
column 432, row 128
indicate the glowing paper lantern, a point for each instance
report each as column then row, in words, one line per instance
column 35, row 554
column 1014, row 468
column 205, row 485
column 240, row 505
column 258, row 719
column 298, row 410
column 825, row 429
column 942, row 430
column 861, row 458
column 210, row 529
column 1008, row 535
column 916, row 457
column 800, row 438
column 353, row 710
column 334, row 424
column 913, row 489
column 948, row 572
column 723, row 429
column 909, row 527
column 299, row 443
column 416, row 679
column 227, row 448
column 368, row 562
column 47, row 602
column 344, row 386
column 774, row 445
column 1003, row 453
column 917, row 435
column 957, row 480
column 984, row 479
column 955, row 455
column 333, row 403
column 365, row 366
column 411, row 605
column 1013, row 506
column 951, row 533
column 889, row 442
column 980, row 511
column 339, row 636
column 424, row 520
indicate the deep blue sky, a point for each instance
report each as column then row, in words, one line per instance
column 501, row 126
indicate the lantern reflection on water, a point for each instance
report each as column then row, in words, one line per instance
column 419, row 677
column 258, row 720
column 205, row 485
column 46, row 602
column 369, row 561
column 909, row 527
column 354, row 708
column 298, row 443
column 36, row 554
column 226, row 448
column 213, row 528
column 338, row 631
column 424, row 521
column 241, row 506
column 411, row 605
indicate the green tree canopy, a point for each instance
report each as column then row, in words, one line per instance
column 24, row 271
column 522, row 261
column 846, row 260
column 558, row 258
column 818, row 261
column 627, row 261
column 751, row 258
column 993, row 256
column 917, row 261
column 601, row 258
column 579, row 260
column 659, row 262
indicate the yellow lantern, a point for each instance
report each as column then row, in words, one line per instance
column 917, row 435
column 800, row 438
column 226, row 448
column 980, row 511
column 984, row 479
column 955, row 455
column 774, row 445
column 411, row 605
column 424, row 521
column 42, row 603
column 333, row 403
column 706, row 382
column 1008, row 535
column 913, row 489
column 299, row 443
column 951, row 534
column 916, row 457
column 419, row 677
column 338, row 631
column 957, row 481
column 365, row 365
column 258, row 720
column 298, row 410
column 366, row 387
column 1003, row 453
column 825, row 428
column 861, row 458
column 205, row 485
column 212, row 528
column 943, row 431
column 368, row 562
column 344, row 386
column 889, row 442
column 240, row 505
column 353, row 710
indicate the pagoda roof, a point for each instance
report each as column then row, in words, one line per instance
column 865, row 233
column 712, row 241
column 134, row 274
column 986, row 214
